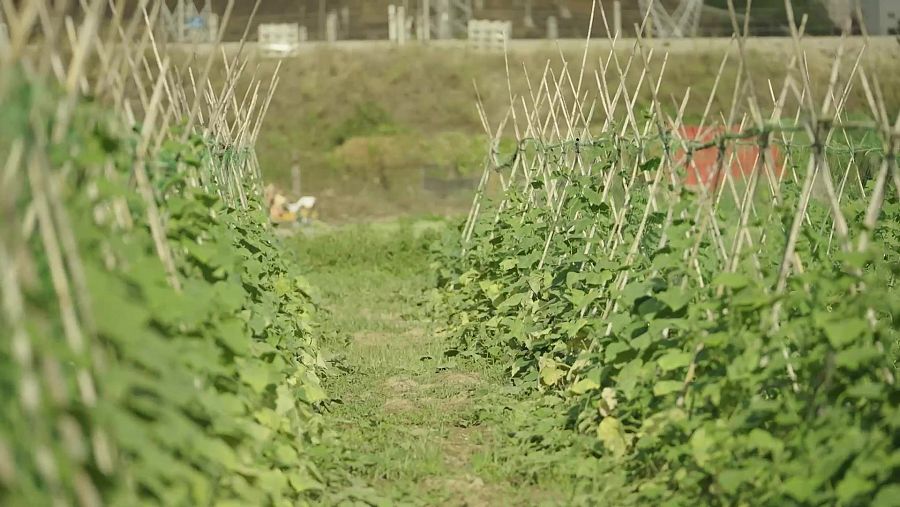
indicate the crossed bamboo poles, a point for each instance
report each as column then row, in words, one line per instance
column 559, row 118
column 115, row 58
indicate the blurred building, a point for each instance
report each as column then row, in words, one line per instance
column 368, row 19
column 881, row 17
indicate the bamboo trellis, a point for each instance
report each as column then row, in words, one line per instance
column 114, row 58
column 569, row 113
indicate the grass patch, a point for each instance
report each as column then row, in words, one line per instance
column 414, row 427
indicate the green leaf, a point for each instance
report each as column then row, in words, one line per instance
column 865, row 389
column 535, row 281
column 203, row 252
column 844, row 331
column 284, row 401
column 218, row 452
column 650, row 164
column 269, row 418
column 674, row 360
column 702, row 445
column 614, row 349
column 855, row 259
column 715, row 339
column 574, row 278
column 633, row 291
column 512, row 301
column 731, row 280
column 649, row 308
column 312, row 393
column 256, row 374
column 598, row 278
column 674, row 298
column 468, row 277
column 612, row 434
column 887, row 496
column 592, row 196
column 286, row 455
column 764, row 441
column 490, row 289
column 731, row 480
column 551, row 373
column 230, row 404
column 655, row 423
column 231, row 296
column 301, row 481
column 853, row 486
column 584, row 385
column 272, row 482
column 854, row 357
column 629, row 376
column 232, row 334
column 664, row 387
column 282, row 286
column 580, row 298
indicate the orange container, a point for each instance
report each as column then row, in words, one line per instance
column 740, row 157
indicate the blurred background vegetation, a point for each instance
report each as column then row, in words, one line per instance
column 370, row 127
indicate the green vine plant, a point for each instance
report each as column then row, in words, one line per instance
column 157, row 342
column 732, row 342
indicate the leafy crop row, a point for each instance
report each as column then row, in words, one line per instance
column 703, row 384
column 197, row 396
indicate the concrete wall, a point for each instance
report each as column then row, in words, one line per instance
column 882, row 17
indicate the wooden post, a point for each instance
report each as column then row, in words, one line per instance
column 617, row 18
column 179, row 21
column 420, row 23
column 426, row 19
column 212, row 28
column 345, row 22
column 322, row 14
column 552, row 28
column 295, row 179
column 529, row 17
column 444, row 31
column 392, row 23
column 4, row 34
column 301, row 14
column 331, row 26
column 401, row 25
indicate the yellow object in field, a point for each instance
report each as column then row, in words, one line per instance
column 278, row 212
column 282, row 211
column 281, row 216
column 307, row 214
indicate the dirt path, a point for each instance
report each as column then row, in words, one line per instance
column 410, row 419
